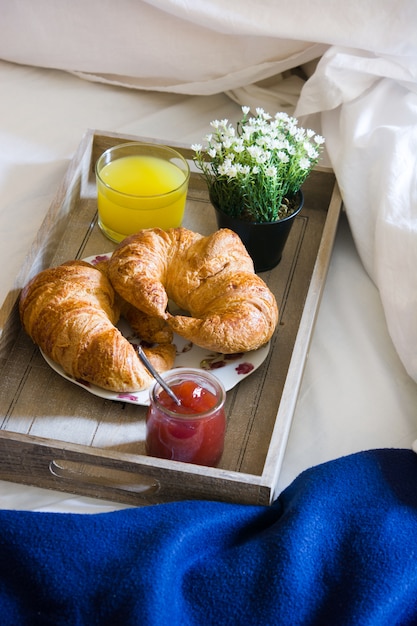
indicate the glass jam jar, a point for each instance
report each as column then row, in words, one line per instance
column 194, row 430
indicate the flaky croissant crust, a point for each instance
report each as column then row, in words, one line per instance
column 70, row 312
column 231, row 308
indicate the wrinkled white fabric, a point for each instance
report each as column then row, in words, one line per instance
column 368, row 106
column 196, row 46
column 184, row 47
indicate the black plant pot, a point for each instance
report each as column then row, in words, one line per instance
column 265, row 241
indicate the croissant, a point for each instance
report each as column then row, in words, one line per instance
column 70, row 312
column 231, row 308
column 151, row 328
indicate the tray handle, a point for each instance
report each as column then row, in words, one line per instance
column 97, row 476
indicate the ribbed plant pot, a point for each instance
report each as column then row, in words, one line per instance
column 265, row 241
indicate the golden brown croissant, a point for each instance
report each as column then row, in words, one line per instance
column 149, row 327
column 70, row 312
column 231, row 308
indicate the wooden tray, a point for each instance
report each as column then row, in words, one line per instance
column 56, row 435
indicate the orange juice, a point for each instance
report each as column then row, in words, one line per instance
column 139, row 191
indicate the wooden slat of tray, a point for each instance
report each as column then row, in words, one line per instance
column 54, row 434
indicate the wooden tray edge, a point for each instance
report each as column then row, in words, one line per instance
column 289, row 398
column 38, row 258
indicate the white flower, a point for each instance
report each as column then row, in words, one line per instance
column 228, row 143
column 282, row 116
column 231, row 171
column 223, row 169
column 255, row 152
column 247, row 133
column 311, row 151
column 319, row 140
column 271, row 171
column 245, row 110
column 277, row 144
column 239, row 147
column 262, row 157
column 304, row 163
column 197, row 147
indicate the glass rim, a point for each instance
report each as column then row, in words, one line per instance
column 134, row 144
column 185, row 373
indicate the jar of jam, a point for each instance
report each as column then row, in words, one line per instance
column 192, row 431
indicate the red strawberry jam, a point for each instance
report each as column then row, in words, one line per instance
column 194, row 430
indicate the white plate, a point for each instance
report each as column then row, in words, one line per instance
column 229, row 368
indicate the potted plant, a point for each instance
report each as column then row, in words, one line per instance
column 254, row 174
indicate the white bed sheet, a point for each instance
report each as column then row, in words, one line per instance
column 355, row 393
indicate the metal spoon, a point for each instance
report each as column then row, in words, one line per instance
column 155, row 374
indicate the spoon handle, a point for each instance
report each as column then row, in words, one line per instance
column 155, row 374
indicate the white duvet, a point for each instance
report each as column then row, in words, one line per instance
column 368, row 106
column 364, row 89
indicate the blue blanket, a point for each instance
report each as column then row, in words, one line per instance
column 338, row 547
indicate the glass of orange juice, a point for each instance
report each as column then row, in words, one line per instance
column 140, row 185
